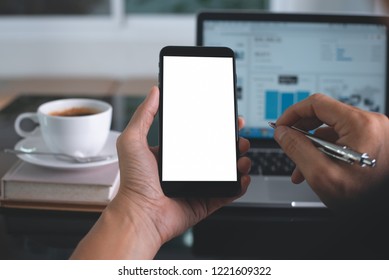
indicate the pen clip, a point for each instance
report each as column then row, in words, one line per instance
column 329, row 153
column 342, row 153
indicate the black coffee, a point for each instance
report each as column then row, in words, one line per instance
column 75, row 112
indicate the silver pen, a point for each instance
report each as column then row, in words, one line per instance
column 342, row 153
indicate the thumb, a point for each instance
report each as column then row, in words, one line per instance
column 301, row 151
column 144, row 115
column 288, row 140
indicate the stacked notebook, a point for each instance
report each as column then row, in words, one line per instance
column 30, row 186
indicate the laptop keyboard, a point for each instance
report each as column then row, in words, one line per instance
column 270, row 162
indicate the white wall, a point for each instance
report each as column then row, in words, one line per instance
column 116, row 47
column 61, row 47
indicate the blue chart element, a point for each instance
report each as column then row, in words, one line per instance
column 277, row 102
column 302, row 95
column 287, row 100
column 271, row 104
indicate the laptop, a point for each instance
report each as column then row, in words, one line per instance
column 282, row 59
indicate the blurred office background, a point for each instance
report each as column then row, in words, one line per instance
column 118, row 39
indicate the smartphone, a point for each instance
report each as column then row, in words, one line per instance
column 198, row 128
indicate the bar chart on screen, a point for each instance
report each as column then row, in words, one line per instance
column 272, row 94
column 276, row 102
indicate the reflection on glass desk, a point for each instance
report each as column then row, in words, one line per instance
column 230, row 233
column 42, row 234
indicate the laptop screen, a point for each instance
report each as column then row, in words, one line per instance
column 282, row 59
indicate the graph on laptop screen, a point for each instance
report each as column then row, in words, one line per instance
column 281, row 63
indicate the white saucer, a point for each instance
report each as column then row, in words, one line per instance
column 36, row 143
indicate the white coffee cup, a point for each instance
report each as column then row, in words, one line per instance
column 80, row 135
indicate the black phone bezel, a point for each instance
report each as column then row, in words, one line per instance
column 196, row 188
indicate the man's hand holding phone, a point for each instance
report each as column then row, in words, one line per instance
column 141, row 214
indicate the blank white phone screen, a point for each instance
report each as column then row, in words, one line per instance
column 199, row 131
